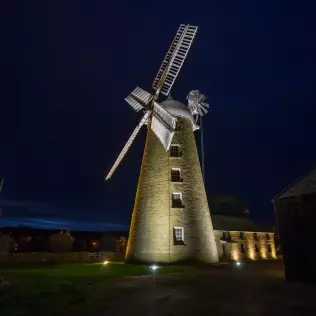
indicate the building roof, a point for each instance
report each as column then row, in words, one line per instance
column 236, row 223
column 306, row 184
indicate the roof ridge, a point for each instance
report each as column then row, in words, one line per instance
column 294, row 182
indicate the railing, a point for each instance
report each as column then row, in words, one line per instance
column 94, row 256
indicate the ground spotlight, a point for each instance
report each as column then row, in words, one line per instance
column 238, row 263
column 106, row 262
column 153, row 267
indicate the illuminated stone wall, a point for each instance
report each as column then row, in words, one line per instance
column 151, row 237
column 234, row 240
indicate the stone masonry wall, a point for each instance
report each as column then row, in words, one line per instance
column 264, row 241
column 151, row 236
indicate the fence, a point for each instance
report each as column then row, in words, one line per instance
column 36, row 257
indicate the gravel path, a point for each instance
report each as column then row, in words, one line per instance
column 253, row 289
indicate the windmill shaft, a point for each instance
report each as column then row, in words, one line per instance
column 155, row 218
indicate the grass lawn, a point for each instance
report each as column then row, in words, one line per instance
column 64, row 289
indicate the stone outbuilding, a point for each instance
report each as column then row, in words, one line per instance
column 295, row 210
column 239, row 238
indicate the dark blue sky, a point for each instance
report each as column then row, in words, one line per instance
column 67, row 67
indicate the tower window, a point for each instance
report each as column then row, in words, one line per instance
column 177, row 129
column 177, row 199
column 175, row 175
column 178, row 233
column 175, row 151
column 269, row 248
column 242, row 235
column 255, row 236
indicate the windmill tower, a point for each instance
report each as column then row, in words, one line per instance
column 171, row 221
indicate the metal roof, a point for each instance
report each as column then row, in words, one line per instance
column 178, row 109
column 301, row 186
column 236, row 223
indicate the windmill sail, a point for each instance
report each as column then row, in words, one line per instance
column 174, row 59
column 163, row 124
column 135, row 104
column 139, row 99
column 142, row 95
column 128, row 145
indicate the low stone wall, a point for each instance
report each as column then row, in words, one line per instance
column 112, row 256
column 36, row 257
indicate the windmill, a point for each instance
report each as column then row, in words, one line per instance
column 162, row 122
column 170, row 177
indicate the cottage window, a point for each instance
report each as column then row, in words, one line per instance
column 224, row 250
column 256, row 247
column 242, row 248
column 226, row 235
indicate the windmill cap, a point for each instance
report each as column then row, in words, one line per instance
column 178, row 109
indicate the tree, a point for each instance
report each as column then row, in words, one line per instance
column 7, row 243
column 60, row 242
column 108, row 243
column 121, row 244
column 24, row 244
column 79, row 245
column 227, row 205
column 37, row 244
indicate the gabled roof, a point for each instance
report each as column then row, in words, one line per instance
column 236, row 223
column 306, row 184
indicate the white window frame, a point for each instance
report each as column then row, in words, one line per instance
column 180, row 193
column 182, row 234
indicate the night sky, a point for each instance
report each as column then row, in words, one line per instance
column 68, row 65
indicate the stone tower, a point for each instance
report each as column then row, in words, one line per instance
column 171, row 221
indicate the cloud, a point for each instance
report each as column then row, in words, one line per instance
column 58, row 223
column 44, row 216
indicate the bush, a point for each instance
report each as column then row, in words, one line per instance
column 79, row 245
column 7, row 243
column 60, row 242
